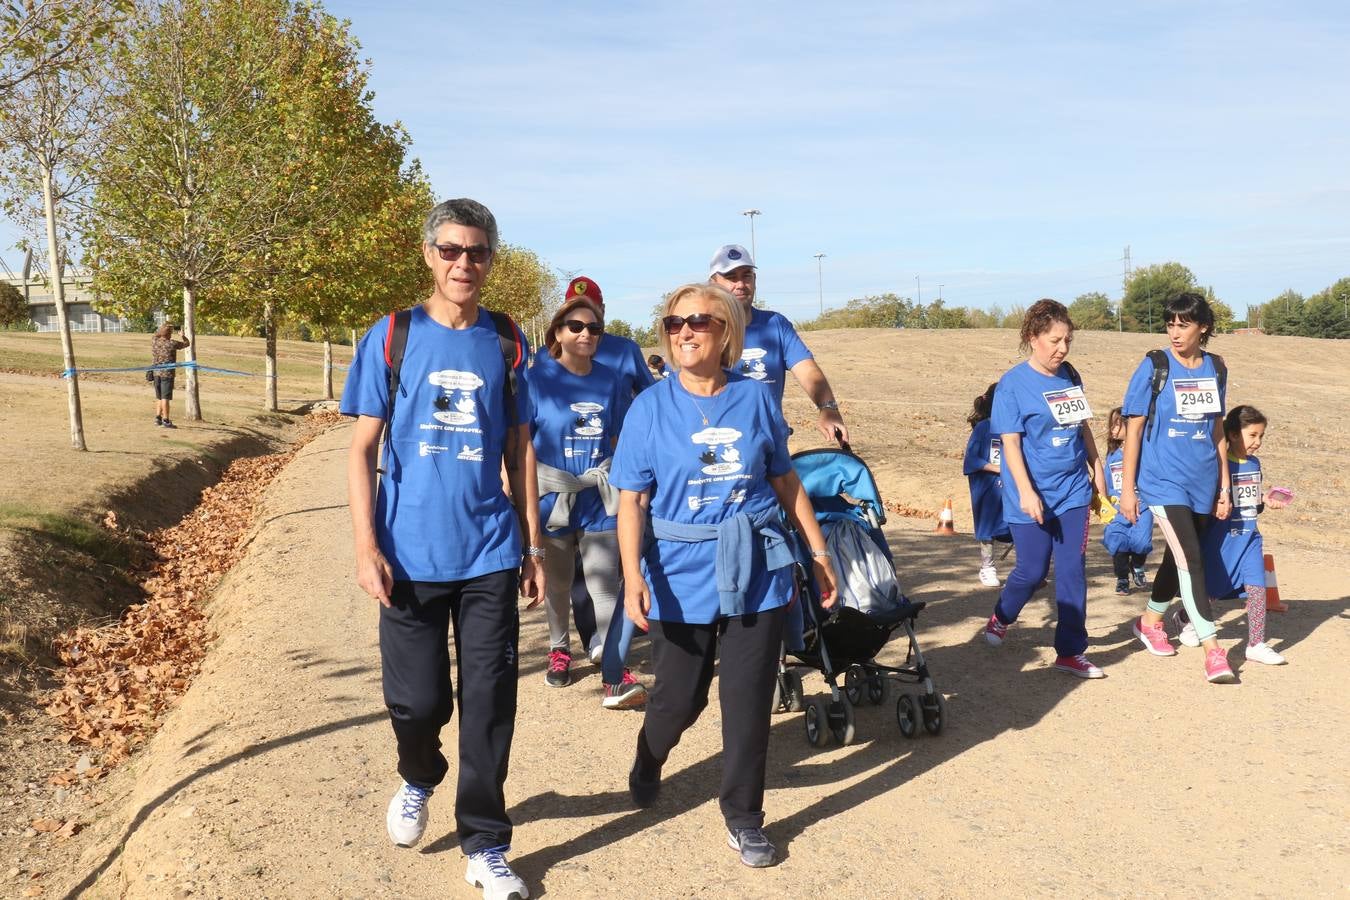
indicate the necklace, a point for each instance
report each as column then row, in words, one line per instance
column 699, row 406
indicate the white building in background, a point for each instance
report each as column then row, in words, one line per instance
column 80, row 297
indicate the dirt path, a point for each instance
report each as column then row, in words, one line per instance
column 271, row 778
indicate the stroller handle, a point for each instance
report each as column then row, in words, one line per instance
column 843, row 444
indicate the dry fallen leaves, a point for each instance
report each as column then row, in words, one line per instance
column 121, row 678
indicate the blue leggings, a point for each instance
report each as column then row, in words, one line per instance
column 1065, row 539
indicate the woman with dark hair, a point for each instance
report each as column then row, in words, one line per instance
column 704, row 474
column 164, row 352
column 1174, row 449
column 577, row 414
column 1050, row 470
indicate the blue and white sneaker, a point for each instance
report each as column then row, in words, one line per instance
column 489, row 870
column 407, row 816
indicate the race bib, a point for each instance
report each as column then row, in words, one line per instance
column 1117, row 477
column 996, row 452
column 1247, row 490
column 1196, row 396
column 1069, row 406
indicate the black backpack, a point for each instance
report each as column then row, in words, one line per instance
column 1160, row 370
column 396, row 342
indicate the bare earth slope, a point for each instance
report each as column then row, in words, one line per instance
column 271, row 778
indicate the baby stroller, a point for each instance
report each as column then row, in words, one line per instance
column 845, row 640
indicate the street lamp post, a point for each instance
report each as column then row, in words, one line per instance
column 939, row 293
column 752, row 213
column 918, row 287
column 820, row 283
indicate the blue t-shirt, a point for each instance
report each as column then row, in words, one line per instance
column 623, row 357
column 440, row 512
column 703, row 474
column 575, row 421
column 1119, row 536
column 1178, row 463
column 1042, row 409
column 772, row 348
column 986, row 491
column 1233, row 547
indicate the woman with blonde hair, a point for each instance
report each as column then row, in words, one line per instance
column 704, row 452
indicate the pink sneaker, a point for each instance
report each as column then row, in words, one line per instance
column 995, row 631
column 1078, row 665
column 1154, row 638
column 1216, row 667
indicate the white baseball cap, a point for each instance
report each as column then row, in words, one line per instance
column 728, row 257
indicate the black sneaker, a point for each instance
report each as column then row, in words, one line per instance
column 159, row 420
column 559, row 671
column 644, row 784
column 168, row 424
column 1122, row 585
column 755, row 849
column 1140, row 579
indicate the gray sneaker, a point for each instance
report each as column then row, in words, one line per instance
column 755, row 849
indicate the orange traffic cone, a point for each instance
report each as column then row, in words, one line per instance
column 1273, row 601
column 944, row 525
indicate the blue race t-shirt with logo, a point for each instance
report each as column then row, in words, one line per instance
column 986, row 493
column 703, row 474
column 575, row 421
column 623, row 357
column 1234, row 551
column 1178, row 463
column 772, row 348
column 1119, row 536
column 440, row 512
column 1048, row 412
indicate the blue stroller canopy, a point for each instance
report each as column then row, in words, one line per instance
column 828, row 473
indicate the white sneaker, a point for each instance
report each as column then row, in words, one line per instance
column 1264, row 653
column 1186, row 632
column 598, row 651
column 988, row 576
column 489, row 870
column 407, row 815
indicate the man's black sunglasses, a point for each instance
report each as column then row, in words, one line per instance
column 451, row 252
column 576, row 326
column 698, row 322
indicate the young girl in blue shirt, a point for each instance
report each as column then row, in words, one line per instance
column 1128, row 543
column 983, row 457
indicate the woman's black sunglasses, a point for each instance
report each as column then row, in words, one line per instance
column 451, row 252
column 698, row 322
column 576, row 325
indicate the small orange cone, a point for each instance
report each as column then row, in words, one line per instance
column 944, row 525
column 1273, row 601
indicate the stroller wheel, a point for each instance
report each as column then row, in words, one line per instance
column 934, row 713
column 787, row 692
column 817, row 722
column 907, row 715
column 876, row 688
column 854, row 680
column 841, row 721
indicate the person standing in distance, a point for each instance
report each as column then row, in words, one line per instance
column 772, row 346
column 438, row 542
column 164, row 352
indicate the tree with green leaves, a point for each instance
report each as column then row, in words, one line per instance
column 520, row 284
column 1148, row 290
column 38, row 37
column 203, row 170
column 1283, row 314
column 13, row 308
column 50, row 122
column 1093, row 312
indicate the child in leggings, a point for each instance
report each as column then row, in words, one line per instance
column 984, row 455
column 1128, row 543
column 1174, row 442
column 1234, row 554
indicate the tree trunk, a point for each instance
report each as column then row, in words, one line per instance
column 327, row 369
column 192, row 400
column 62, row 319
column 353, row 339
column 270, row 370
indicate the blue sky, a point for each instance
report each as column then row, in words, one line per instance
column 1004, row 150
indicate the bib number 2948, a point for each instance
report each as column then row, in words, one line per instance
column 1069, row 406
column 1196, row 396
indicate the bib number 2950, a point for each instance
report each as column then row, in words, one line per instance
column 1069, row 406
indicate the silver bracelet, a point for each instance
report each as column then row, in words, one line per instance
column 828, row 404
column 536, row 552
column 820, row 554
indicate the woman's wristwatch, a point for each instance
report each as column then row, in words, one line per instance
column 536, row 552
column 828, row 404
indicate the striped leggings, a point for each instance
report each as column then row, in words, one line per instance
column 1183, row 567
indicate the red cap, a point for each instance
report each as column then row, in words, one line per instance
column 582, row 286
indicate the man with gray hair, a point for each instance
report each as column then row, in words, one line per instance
column 772, row 346
column 437, row 541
